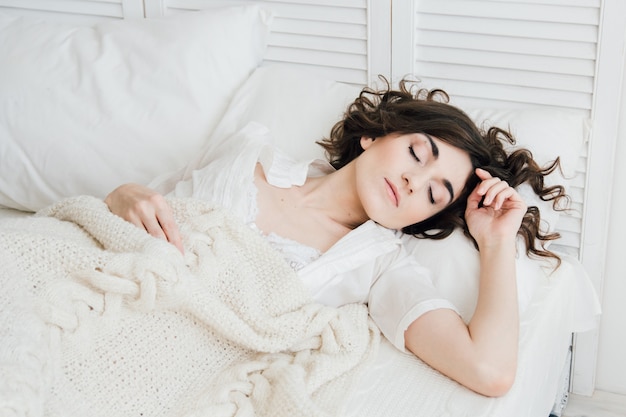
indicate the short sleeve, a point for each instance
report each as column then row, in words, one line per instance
column 401, row 294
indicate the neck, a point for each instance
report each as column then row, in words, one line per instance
column 335, row 196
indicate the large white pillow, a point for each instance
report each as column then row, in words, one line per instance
column 297, row 105
column 86, row 108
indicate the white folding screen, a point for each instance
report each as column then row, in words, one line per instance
column 507, row 53
column 332, row 37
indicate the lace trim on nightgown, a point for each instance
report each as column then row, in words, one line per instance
column 295, row 253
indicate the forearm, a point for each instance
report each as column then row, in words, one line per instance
column 494, row 327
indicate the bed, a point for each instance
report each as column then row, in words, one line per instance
column 85, row 108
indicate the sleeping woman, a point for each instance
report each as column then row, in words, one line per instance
column 400, row 161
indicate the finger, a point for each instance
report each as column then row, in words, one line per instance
column 502, row 197
column 482, row 174
column 170, row 229
column 510, row 198
column 487, row 189
column 153, row 227
column 474, row 199
column 134, row 219
column 493, row 191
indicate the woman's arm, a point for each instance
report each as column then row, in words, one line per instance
column 147, row 209
column 481, row 355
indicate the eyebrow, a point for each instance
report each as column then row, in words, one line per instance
column 435, row 151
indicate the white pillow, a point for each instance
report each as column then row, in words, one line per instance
column 86, row 108
column 546, row 133
column 298, row 106
column 458, row 277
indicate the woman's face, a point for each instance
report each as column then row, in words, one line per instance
column 405, row 179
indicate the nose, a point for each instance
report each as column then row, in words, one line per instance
column 413, row 182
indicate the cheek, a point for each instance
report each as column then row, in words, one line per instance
column 418, row 212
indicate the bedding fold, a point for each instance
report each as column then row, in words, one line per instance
column 121, row 323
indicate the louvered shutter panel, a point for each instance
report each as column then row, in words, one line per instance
column 509, row 54
column 75, row 11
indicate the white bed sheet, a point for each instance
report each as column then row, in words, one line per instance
column 8, row 213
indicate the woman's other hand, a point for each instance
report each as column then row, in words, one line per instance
column 147, row 209
column 494, row 211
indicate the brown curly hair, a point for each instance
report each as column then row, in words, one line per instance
column 409, row 109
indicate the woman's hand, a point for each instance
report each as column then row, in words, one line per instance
column 494, row 211
column 147, row 209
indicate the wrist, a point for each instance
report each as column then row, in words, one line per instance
column 497, row 245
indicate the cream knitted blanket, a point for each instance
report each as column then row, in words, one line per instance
column 100, row 319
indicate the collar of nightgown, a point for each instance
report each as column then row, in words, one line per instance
column 283, row 171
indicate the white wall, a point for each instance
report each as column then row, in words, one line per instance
column 611, row 365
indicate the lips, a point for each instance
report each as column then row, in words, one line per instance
column 392, row 191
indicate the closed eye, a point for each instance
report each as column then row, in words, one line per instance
column 430, row 189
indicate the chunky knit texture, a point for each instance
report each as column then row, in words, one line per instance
column 100, row 319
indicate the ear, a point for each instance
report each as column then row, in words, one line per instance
column 366, row 142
